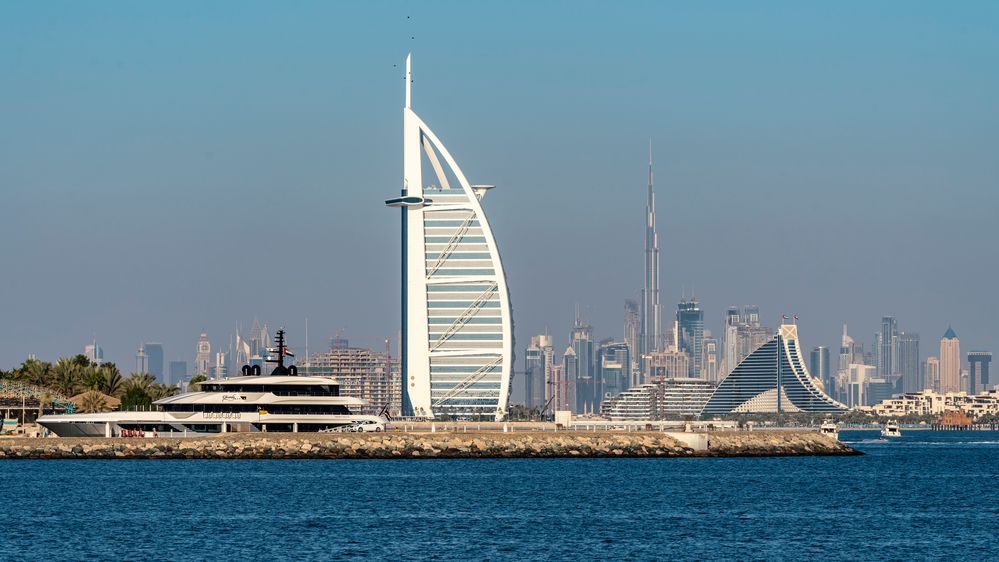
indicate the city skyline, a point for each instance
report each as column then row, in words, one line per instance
column 731, row 181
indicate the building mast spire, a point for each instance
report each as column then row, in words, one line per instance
column 409, row 80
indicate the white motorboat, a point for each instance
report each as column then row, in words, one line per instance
column 891, row 429
column 830, row 428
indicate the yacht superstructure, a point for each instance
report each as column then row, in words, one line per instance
column 279, row 402
column 891, row 429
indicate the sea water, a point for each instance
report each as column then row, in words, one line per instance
column 925, row 495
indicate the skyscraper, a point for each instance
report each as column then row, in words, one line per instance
column 221, row 368
column 534, row 373
column 650, row 319
column 588, row 389
column 612, row 364
column 570, row 370
column 845, row 351
column 931, row 374
column 537, row 371
column 690, row 325
column 730, row 339
column 819, row 365
column 141, row 360
column 562, row 399
column 978, row 371
column 743, row 334
column 950, row 362
column 203, row 360
column 887, row 350
column 908, row 362
column 94, row 352
column 457, row 323
column 709, row 369
column 154, row 351
column 631, row 330
column 178, row 372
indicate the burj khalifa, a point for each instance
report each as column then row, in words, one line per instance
column 650, row 315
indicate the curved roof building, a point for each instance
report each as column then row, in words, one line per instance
column 457, row 332
column 772, row 379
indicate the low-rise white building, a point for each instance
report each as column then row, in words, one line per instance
column 665, row 399
column 930, row 403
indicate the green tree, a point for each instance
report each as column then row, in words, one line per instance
column 67, row 377
column 135, row 398
column 35, row 372
column 139, row 380
column 82, row 360
column 160, row 391
column 93, row 402
column 520, row 412
column 194, row 384
column 109, row 380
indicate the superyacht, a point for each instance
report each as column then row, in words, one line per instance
column 279, row 402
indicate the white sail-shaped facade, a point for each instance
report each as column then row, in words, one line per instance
column 457, row 341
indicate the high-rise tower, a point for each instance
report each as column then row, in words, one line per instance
column 631, row 339
column 141, row 360
column 587, row 385
column 457, row 327
column 950, row 362
column 690, row 335
column 908, row 362
column 978, row 371
column 887, row 348
column 154, row 353
column 202, row 361
column 650, row 317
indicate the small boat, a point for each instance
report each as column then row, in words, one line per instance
column 830, row 428
column 891, row 429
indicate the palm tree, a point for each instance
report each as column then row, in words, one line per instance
column 66, row 377
column 92, row 402
column 142, row 381
column 160, row 391
column 35, row 372
column 44, row 400
column 110, row 380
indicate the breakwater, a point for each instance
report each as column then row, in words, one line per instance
column 431, row 445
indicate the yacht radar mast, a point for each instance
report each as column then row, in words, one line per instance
column 279, row 353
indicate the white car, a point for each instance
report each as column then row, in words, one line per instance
column 370, row 425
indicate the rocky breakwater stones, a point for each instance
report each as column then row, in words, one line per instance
column 775, row 443
column 423, row 446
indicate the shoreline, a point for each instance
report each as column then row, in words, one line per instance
column 439, row 445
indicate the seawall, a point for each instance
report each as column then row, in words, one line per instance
column 392, row 445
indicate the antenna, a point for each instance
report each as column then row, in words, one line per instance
column 409, row 79
column 650, row 163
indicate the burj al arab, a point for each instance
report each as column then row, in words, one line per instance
column 457, row 324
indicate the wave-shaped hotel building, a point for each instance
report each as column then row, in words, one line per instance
column 772, row 379
column 457, row 326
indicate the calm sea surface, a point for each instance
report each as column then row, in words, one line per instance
column 926, row 495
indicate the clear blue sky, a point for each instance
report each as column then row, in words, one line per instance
column 167, row 168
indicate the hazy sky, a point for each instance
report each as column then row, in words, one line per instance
column 184, row 166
